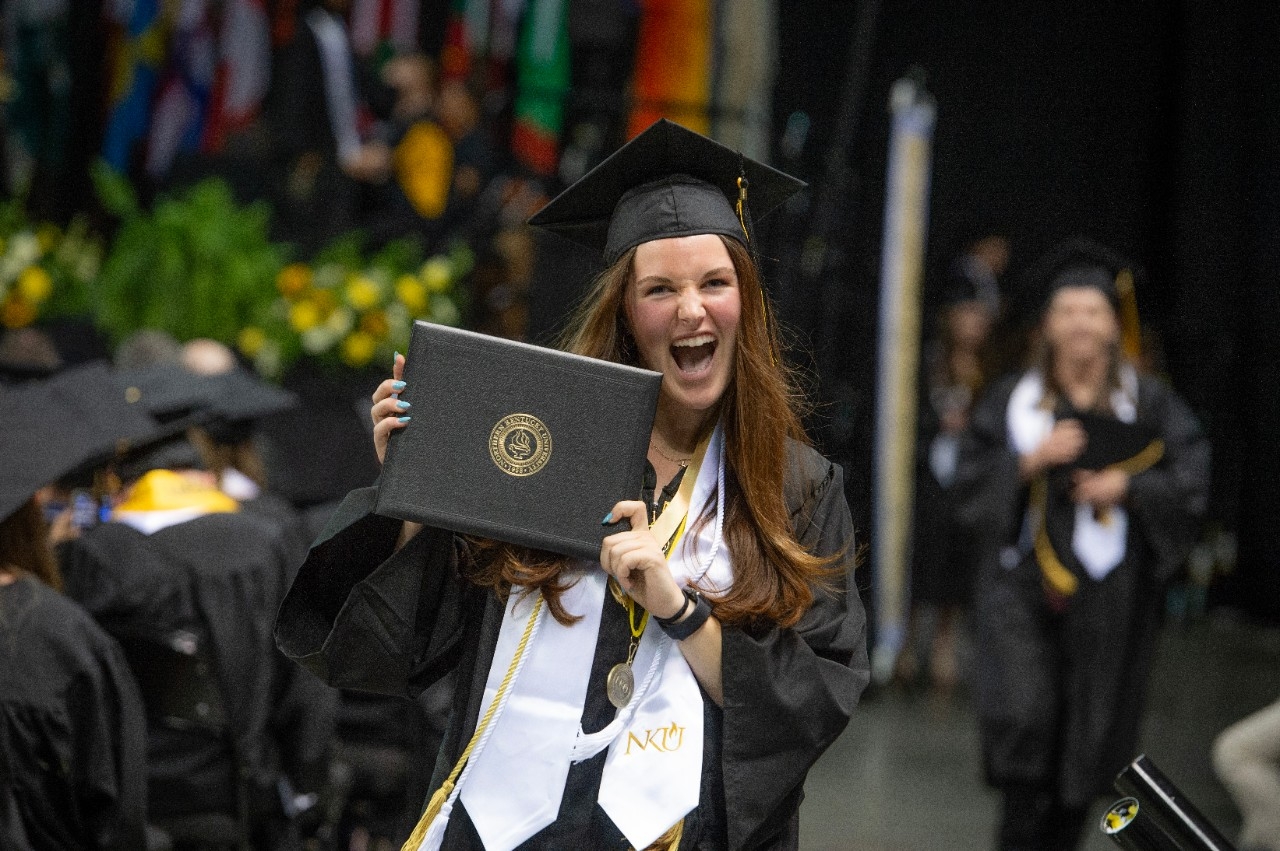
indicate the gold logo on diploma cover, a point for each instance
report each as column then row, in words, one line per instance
column 520, row 444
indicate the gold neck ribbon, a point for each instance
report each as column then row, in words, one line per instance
column 670, row 525
column 1057, row 577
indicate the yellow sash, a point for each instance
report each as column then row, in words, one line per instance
column 165, row 490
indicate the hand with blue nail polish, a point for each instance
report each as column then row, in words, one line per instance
column 388, row 408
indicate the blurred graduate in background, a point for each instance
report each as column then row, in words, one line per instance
column 1081, row 481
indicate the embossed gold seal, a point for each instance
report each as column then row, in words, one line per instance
column 520, row 444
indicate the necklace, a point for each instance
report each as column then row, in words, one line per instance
column 683, row 462
column 621, row 682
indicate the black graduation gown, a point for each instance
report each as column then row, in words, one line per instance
column 1060, row 692
column 362, row 616
column 942, row 555
column 220, row 578
column 72, row 730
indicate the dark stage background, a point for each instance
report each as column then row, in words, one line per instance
column 1154, row 127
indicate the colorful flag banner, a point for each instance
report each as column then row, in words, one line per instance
column 542, row 75
column 673, row 64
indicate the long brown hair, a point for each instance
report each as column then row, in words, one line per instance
column 761, row 408
column 24, row 544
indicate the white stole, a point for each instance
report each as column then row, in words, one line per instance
column 1099, row 544
column 514, row 781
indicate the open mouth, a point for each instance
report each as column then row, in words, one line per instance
column 693, row 355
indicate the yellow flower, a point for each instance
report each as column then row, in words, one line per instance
column 374, row 323
column 362, row 293
column 17, row 313
column 47, row 235
column 437, row 274
column 325, row 301
column 293, row 279
column 250, row 340
column 34, row 284
column 304, row 315
column 358, row 349
column 412, row 293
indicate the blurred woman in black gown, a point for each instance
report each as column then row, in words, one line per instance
column 1082, row 481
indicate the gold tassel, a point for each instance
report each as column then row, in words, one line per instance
column 1130, row 324
column 668, row 841
column 741, row 207
column 433, row 810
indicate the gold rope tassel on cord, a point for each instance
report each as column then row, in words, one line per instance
column 668, row 841
column 1057, row 577
column 446, row 789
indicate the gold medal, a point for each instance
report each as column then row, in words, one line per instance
column 620, row 684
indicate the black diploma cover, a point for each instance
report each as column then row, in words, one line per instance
column 516, row 442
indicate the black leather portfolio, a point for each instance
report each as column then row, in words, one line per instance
column 1110, row 441
column 516, row 442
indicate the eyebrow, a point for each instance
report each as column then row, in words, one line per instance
column 719, row 272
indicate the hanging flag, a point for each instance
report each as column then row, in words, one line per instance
column 746, row 61
column 186, row 84
column 465, row 37
column 906, row 213
column 136, row 52
column 243, row 73
column 384, row 26
column 673, row 64
column 542, row 84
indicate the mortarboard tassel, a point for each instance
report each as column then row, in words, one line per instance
column 741, row 206
column 1130, row 324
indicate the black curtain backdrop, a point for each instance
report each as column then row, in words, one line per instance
column 1154, row 127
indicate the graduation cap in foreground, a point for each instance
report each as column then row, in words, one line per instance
column 48, row 429
column 668, row 181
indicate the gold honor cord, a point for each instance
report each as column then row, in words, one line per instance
column 1055, row 574
column 446, row 789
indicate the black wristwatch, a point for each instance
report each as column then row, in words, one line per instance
column 679, row 630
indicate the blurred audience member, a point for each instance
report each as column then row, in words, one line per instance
column 1246, row 757
column 1082, row 483
column 324, row 129
column 26, row 354
column 953, row 377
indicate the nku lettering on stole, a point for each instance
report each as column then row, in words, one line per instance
column 662, row 739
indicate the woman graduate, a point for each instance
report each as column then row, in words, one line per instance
column 1082, row 482
column 734, row 611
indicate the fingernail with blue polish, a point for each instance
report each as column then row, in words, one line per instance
column 608, row 518
column 402, row 405
column 397, row 385
column 405, row 419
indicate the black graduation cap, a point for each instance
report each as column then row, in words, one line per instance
column 239, row 398
column 1078, row 262
column 50, row 428
column 668, row 181
column 173, row 395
